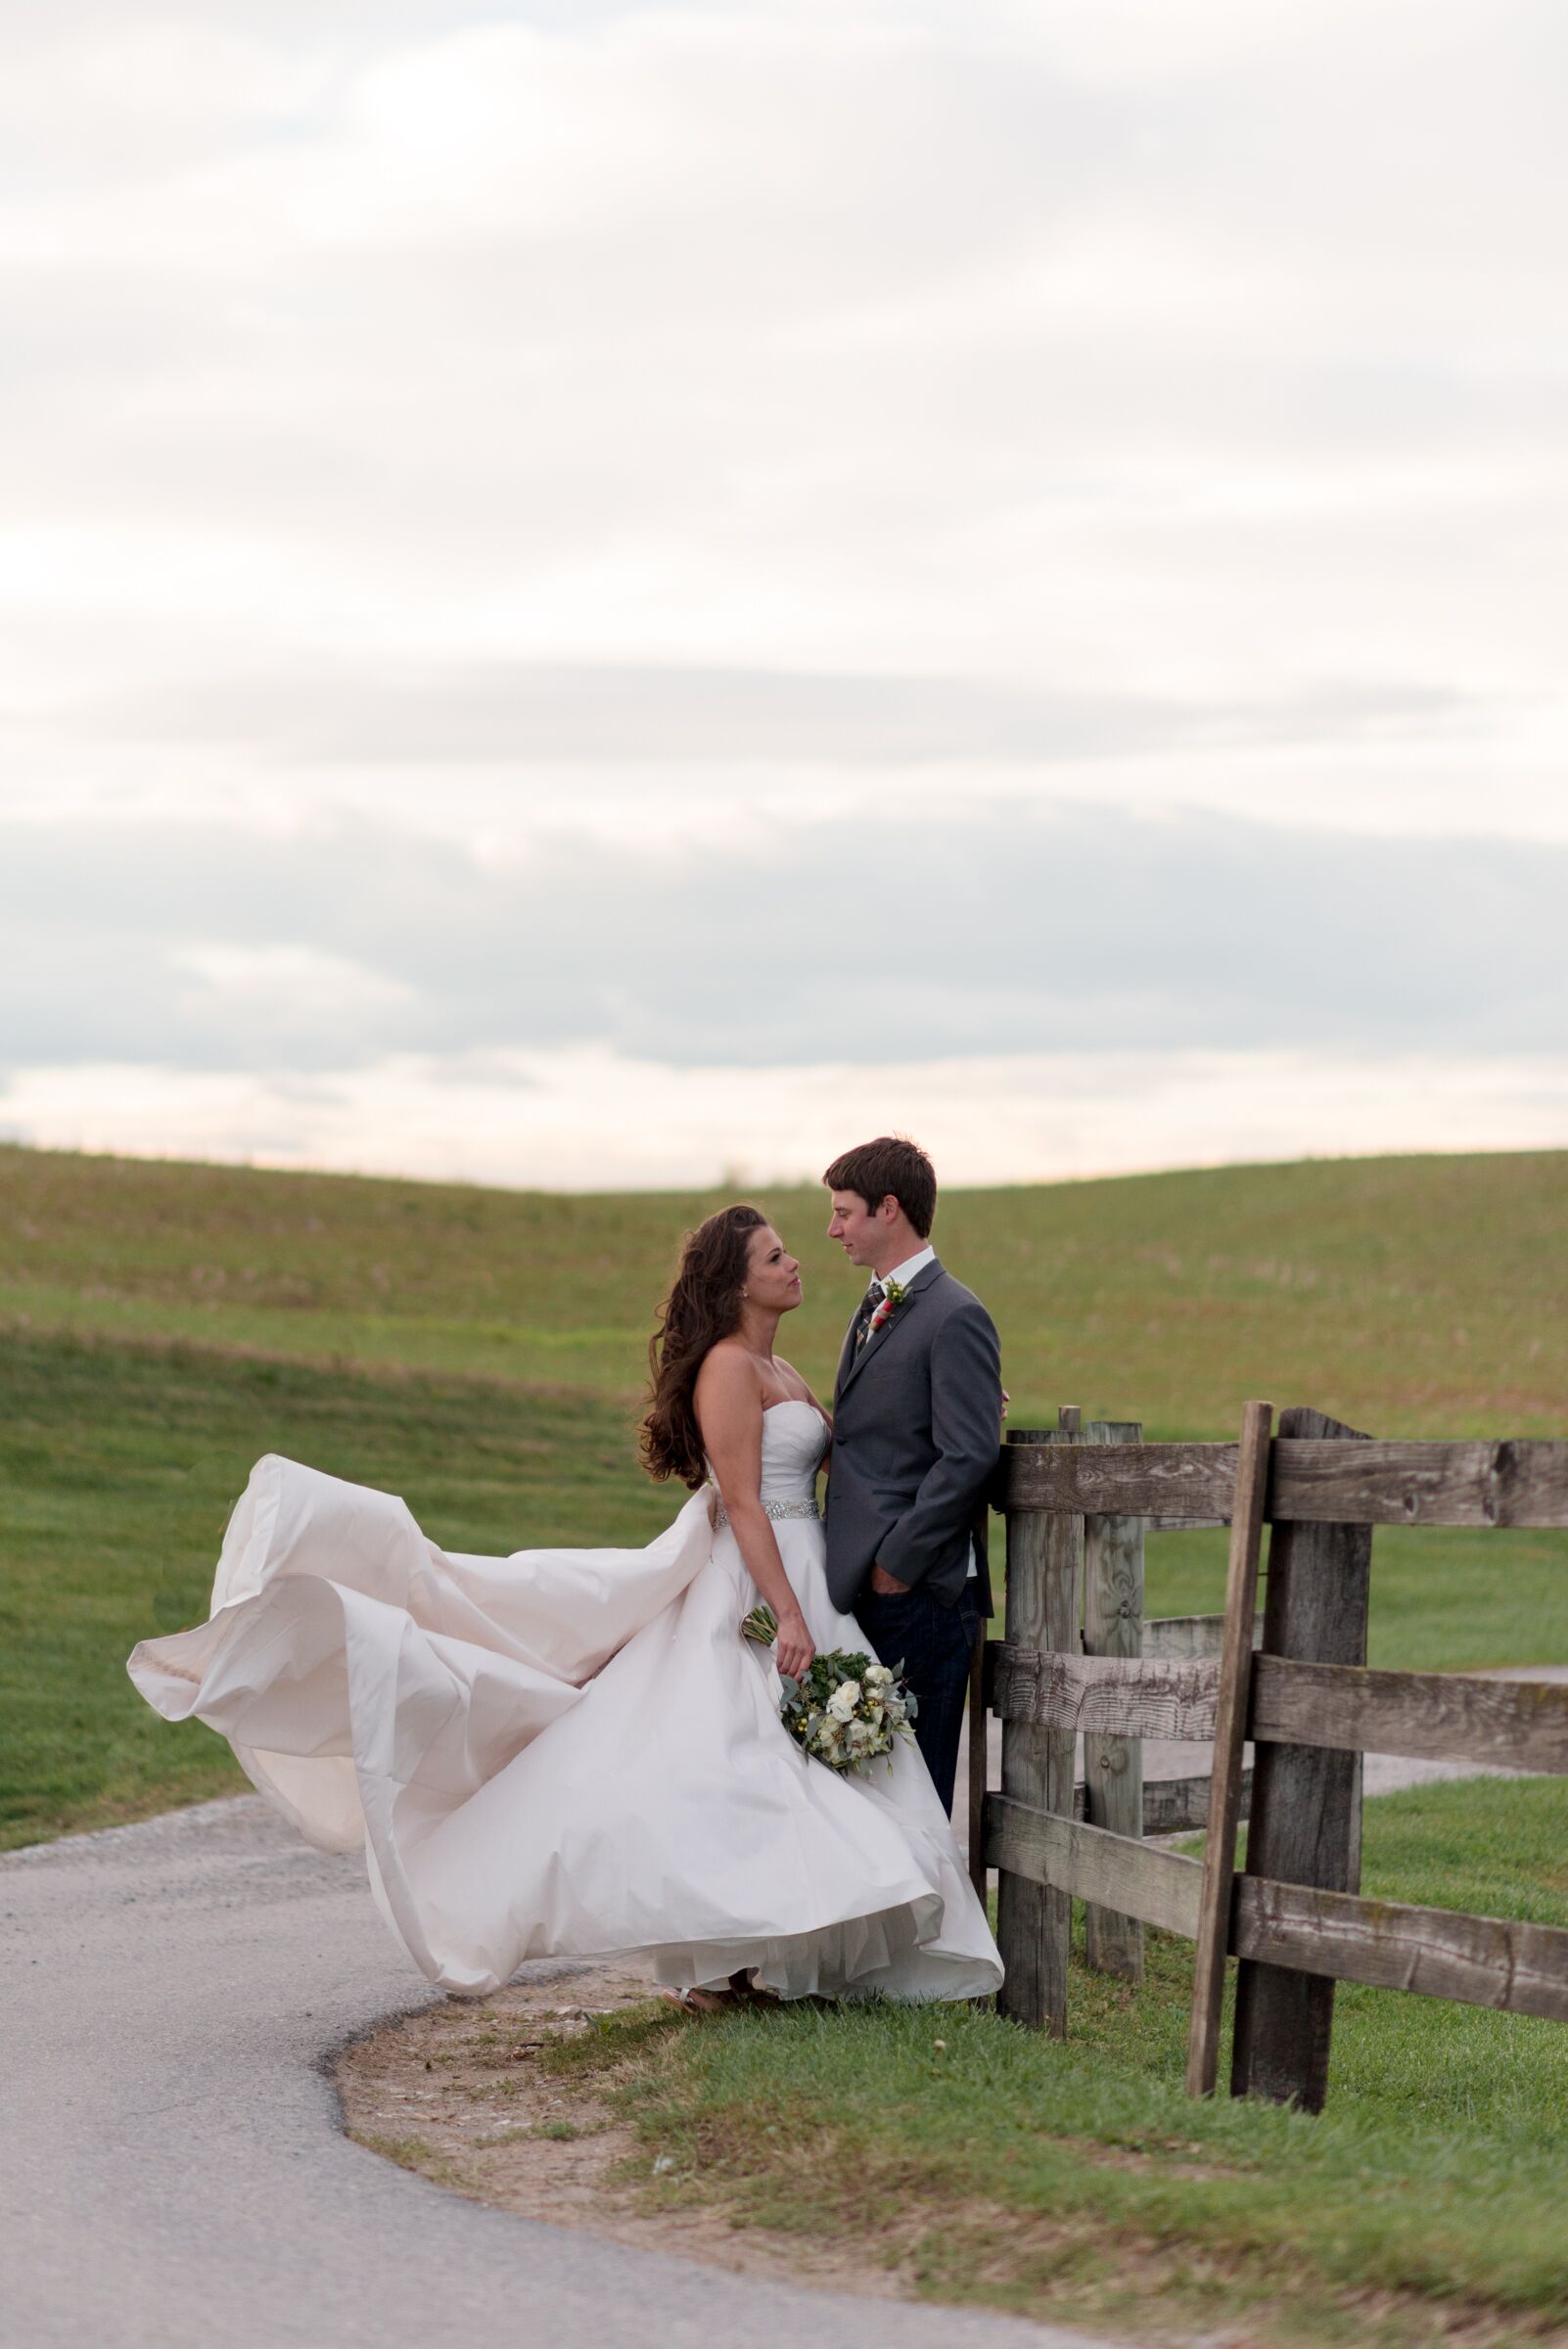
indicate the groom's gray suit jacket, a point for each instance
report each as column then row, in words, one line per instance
column 917, row 1430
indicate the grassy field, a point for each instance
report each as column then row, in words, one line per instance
column 119, row 1466
column 1421, row 1296
column 1077, row 2179
column 481, row 1352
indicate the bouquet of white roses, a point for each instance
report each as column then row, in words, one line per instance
column 847, row 1710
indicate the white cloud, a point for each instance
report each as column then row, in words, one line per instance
column 290, row 983
column 771, row 946
column 719, row 431
column 1011, row 343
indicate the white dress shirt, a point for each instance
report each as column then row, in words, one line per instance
column 904, row 1273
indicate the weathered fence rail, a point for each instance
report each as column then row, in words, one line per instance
column 1076, row 1503
column 1431, row 1716
column 1310, row 1481
column 1128, row 1699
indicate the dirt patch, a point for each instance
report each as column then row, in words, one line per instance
column 488, row 2101
column 466, row 2096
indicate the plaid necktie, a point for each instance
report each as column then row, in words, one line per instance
column 869, row 1305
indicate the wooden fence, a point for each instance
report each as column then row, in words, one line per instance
column 1077, row 1502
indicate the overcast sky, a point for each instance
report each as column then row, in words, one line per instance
column 600, row 593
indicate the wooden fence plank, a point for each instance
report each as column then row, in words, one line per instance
column 1181, row 1806
column 1306, row 1798
column 1485, row 1960
column 1189, row 1638
column 1109, row 1696
column 1219, row 1854
column 1319, row 1483
column 1124, row 1480
column 1033, row 1924
column 1171, row 1805
column 1021, row 1905
column 1159, row 1887
column 1064, row 1614
column 1113, row 1766
column 1432, row 1716
column 1510, row 1483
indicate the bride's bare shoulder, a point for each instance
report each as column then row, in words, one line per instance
column 729, row 1400
column 729, row 1371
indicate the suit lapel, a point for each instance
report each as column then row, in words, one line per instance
column 879, row 1338
column 845, row 1359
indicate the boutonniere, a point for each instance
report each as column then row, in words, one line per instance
column 893, row 1296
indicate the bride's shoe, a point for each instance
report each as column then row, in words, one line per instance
column 699, row 2001
column 742, row 1991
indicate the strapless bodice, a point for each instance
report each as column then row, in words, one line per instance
column 795, row 1437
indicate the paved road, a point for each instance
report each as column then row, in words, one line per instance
column 171, row 1996
column 175, row 2171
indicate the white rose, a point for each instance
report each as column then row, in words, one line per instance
column 877, row 1676
column 845, row 1696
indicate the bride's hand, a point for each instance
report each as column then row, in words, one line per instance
column 794, row 1647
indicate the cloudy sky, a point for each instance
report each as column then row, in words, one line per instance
column 605, row 594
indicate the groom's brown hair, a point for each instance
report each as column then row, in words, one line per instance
column 892, row 1163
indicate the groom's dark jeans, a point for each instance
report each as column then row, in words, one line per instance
column 933, row 1644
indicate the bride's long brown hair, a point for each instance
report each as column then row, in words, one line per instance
column 703, row 1306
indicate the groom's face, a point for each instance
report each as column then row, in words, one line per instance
column 857, row 1227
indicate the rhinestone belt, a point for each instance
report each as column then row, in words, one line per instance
column 776, row 1509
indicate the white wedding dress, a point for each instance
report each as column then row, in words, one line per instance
column 571, row 1753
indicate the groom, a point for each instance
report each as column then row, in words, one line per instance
column 916, row 1428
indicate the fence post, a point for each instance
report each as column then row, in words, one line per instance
column 1113, row 1767
column 1305, row 1799
column 1230, row 1737
column 1034, row 1922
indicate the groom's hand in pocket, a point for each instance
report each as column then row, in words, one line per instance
column 882, row 1583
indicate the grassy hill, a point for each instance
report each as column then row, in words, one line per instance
column 161, row 1325
column 1416, row 1296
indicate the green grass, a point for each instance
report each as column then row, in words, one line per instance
column 1419, row 1295
column 1442, row 1599
column 479, row 1350
column 118, row 1467
column 1079, row 2180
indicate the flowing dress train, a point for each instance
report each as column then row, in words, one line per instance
column 571, row 1753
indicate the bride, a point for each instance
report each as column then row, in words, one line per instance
column 575, row 1753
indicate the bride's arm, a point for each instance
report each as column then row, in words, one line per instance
column 730, row 1413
